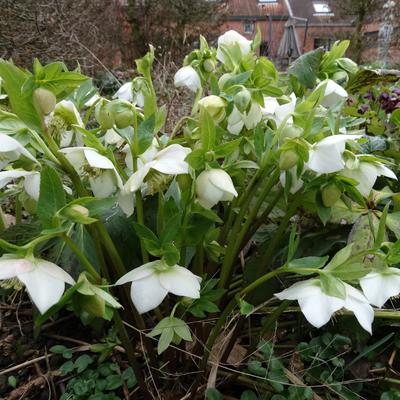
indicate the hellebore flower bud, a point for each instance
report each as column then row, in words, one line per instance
column 124, row 119
column 215, row 106
column 44, row 101
column 340, row 77
column 330, row 195
column 288, row 159
column 209, row 65
column 104, row 116
column 242, row 100
column 214, row 185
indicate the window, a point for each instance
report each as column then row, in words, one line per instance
column 248, row 27
column 322, row 9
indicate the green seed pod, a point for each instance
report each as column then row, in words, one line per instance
column 124, row 119
column 104, row 116
column 288, row 159
column 291, row 131
column 44, row 101
column 242, row 100
column 330, row 195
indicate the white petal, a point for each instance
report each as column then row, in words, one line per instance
column 235, row 121
column 221, row 180
column 177, row 281
column 138, row 273
column 270, row 105
column 187, row 76
column 299, row 290
column 319, row 309
column 124, row 92
column 385, row 171
column 135, row 181
column 229, row 39
column 55, row 271
column 253, row 117
column 147, row 293
column 112, row 137
column 44, row 289
column 75, row 156
column 9, row 144
column 9, row 268
column 378, row 288
column 358, row 304
column 32, row 185
column 284, row 110
column 365, row 175
column 325, row 160
column 103, row 185
column 296, row 184
column 8, row 176
column 96, row 160
column 126, row 201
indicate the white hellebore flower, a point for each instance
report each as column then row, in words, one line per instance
column 296, row 182
column 187, row 76
column 366, row 173
column 325, row 156
column 213, row 186
column 125, row 92
column 250, row 119
column 31, row 181
column 169, row 161
column 272, row 109
column 230, row 39
column 11, row 150
column 334, row 93
column 318, row 307
column 152, row 281
column 44, row 281
column 378, row 287
column 102, row 175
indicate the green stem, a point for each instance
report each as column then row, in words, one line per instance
column 81, row 257
column 198, row 267
column 263, row 217
column 234, row 240
column 178, row 126
column 18, row 210
column 3, row 225
column 9, row 246
column 277, row 236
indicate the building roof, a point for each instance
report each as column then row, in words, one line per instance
column 255, row 8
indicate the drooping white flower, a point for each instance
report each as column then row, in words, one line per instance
column 11, row 150
column 94, row 99
column 230, row 39
column 112, row 137
column 169, row 161
column 366, row 173
column 213, row 186
column 67, row 110
column 124, row 92
column 318, row 307
column 296, row 182
column 215, row 106
column 188, row 77
column 334, row 93
column 101, row 173
column 273, row 110
column 153, row 281
column 250, row 119
column 31, row 181
column 326, row 157
column 379, row 287
column 44, row 281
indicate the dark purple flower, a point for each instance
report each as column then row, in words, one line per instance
column 396, row 91
column 363, row 108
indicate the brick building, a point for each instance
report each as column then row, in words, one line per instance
column 315, row 22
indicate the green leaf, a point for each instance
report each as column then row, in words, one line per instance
column 350, row 272
column 51, row 198
column 170, row 253
column 207, row 130
column 82, row 362
column 380, row 236
column 395, row 117
column 333, row 286
column 21, row 104
column 393, row 223
column 165, row 340
column 245, row 307
column 239, row 79
column 146, row 133
column 213, row 394
column 306, row 68
column 308, row 262
column 67, row 368
column 113, row 382
column 12, row 381
column 181, row 329
column 340, row 257
column 129, row 377
column 248, row 395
